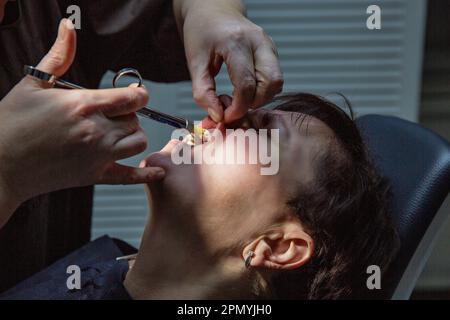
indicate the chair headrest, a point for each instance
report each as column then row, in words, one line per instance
column 417, row 163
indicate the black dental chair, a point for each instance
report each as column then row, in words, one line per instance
column 417, row 162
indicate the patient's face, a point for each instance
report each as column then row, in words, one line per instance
column 229, row 202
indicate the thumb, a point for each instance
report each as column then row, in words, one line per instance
column 226, row 100
column 60, row 57
column 208, row 122
column 204, row 88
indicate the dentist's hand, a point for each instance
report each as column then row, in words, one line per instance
column 52, row 139
column 216, row 31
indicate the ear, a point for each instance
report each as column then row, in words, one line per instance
column 285, row 247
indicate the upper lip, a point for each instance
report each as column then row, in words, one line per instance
column 163, row 159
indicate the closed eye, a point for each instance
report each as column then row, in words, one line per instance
column 263, row 121
column 299, row 119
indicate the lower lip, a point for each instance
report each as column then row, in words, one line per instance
column 157, row 160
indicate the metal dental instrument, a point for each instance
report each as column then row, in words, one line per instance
column 146, row 112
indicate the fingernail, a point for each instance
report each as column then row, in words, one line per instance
column 214, row 115
column 142, row 164
column 62, row 30
column 69, row 24
column 64, row 27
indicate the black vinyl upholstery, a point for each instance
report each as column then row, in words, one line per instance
column 417, row 163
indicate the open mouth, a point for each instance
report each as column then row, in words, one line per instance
column 200, row 136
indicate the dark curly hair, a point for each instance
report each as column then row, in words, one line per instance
column 345, row 210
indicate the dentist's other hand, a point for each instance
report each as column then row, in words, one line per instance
column 52, row 139
column 216, row 31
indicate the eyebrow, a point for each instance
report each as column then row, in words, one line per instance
column 298, row 119
column 275, row 116
column 295, row 118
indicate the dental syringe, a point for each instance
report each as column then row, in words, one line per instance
column 176, row 122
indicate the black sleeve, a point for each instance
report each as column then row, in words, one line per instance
column 101, row 275
column 135, row 33
column 102, row 281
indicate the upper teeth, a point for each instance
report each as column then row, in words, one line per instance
column 198, row 137
column 189, row 139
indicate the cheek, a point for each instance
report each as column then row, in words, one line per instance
column 237, row 205
column 180, row 188
column 229, row 179
column 233, row 192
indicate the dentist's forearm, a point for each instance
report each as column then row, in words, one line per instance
column 183, row 7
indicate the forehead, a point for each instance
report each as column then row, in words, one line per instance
column 297, row 123
column 303, row 139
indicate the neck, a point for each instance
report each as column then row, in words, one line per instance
column 171, row 266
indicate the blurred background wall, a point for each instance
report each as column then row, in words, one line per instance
column 325, row 46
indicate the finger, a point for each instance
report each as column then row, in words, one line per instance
column 226, row 101
column 120, row 174
column 208, row 122
column 60, row 57
column 204, row 86
column 242, row 122
column 123, row 126
column 114, row 102
column 130, row 145
column 242, row 75
column 269, row 78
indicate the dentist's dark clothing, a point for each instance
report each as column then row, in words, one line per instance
column 101, row 275
column 114, row 34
